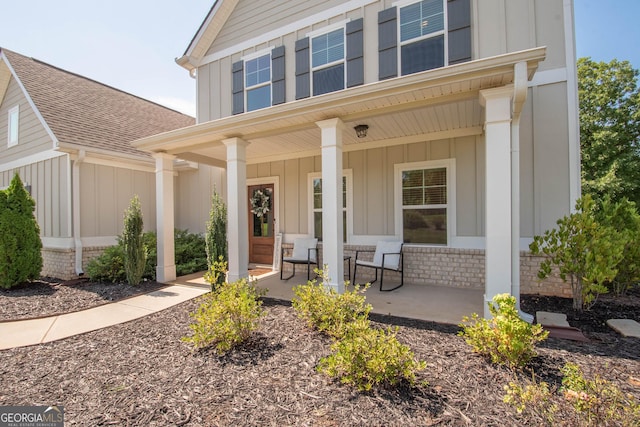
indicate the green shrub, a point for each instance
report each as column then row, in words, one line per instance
column 135, row 253
column 328, row 311
column 190, row 252
column 150, row 239
column 584, row 250
column 226, row 317
column 365, row 357
column 598, row 401
column 108, row 267
column 506, row 338
column 20, row 244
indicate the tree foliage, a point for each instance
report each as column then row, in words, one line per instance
column 20, row 244
column 609, row 129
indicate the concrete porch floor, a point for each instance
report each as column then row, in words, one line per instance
column 415, row 301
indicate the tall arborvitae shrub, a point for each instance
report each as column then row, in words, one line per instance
column 216, row 237
column 20, row 244
column 135, row 253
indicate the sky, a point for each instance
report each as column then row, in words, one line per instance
column 132, row 45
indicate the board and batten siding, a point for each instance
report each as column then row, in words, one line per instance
column 373, row 184
column 32, row 135
column 49, row 181
column 105, row 193
column 520, row 25
column 193, row 192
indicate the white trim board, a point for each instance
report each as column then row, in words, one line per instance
column 29, row 160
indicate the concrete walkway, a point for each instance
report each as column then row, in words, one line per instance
column 22, row 333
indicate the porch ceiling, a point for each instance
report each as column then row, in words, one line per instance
column 429, row 105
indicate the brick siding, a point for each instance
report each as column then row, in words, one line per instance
column 460, row 268
column 60, row 263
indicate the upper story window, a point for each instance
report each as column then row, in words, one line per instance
column 425, row 211
column 13, row 121
column 328, row 61
column 422, row 32
column 258, row 82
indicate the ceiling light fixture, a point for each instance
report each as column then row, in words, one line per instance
column 361, row 130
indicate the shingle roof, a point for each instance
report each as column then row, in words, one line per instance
column 87, row 113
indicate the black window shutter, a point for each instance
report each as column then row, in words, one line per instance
column 387, row 43
column 237, row 91
column 277, row 76
column 303, row 80
column 459, row 23
column 355, row 52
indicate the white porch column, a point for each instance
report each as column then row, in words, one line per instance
column 166, row 268
column 237, row 208
column 332, row 227
column 497, row 103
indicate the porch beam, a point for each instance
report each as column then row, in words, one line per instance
column 332, row 223
column 237, row 208
column 498, row 107
column 166, row 268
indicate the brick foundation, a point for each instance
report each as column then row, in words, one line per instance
column 460, row 268
column 60, row 263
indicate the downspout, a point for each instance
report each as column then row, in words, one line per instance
column 520, row 88
column 76, row 211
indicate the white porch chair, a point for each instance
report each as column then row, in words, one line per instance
column 305, row 251
column 387, row 256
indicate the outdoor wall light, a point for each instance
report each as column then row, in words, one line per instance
column 361, row 130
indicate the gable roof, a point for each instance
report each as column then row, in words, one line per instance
column 83, row 113
column 208, row 31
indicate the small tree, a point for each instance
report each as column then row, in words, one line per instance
column 216, row 236
column 20, row 244
column 135, row 253
column 583, row 249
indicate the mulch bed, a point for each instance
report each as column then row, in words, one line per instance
column 141, row 374
column 48, row 297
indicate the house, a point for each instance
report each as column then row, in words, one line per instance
column 69, row 139
column 449, row 124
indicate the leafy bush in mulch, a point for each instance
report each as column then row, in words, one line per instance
column 365, row 357
column 362, row 356
column 326, row 310
column 190, row 256
column 227, row 316
column 505, row 338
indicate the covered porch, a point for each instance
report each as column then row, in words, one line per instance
column 414, row 301
column 481, row 98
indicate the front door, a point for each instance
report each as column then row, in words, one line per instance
column 261, row 222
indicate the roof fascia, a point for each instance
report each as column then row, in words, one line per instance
column 207, row 33
column 54, row 139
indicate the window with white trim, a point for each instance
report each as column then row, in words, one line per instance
column 425, row 209
column 257, row 72
column 422, row 35
column 328, row 62
column 315, row 218
column 14, row 123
